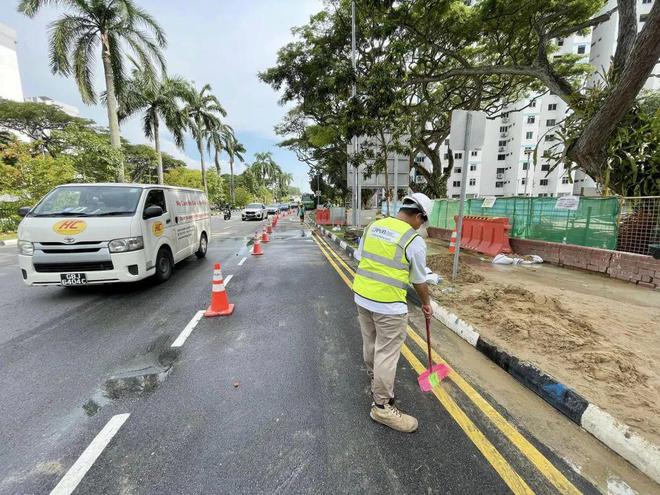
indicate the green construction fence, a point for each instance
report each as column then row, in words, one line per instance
column 593, row 224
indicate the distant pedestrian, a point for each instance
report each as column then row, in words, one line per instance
column 301, row 213
column 392, row 255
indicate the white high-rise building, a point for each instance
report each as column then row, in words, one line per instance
column 10, row 77
column 505, row 165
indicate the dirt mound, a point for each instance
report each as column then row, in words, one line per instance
column 443, row 263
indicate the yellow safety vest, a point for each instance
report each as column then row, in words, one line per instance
column 383, row 273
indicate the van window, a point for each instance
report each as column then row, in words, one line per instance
column 89, row 201
column 156, row 197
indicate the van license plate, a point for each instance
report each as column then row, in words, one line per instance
column 73, row 279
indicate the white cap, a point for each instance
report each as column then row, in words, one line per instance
column 421, row 202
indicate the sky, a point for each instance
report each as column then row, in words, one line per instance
column 221, row 42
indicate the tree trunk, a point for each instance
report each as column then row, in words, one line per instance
column 589, row 150
column 200, row 148
column 161, row 179
column 111, row 103
column 231, row 180
column 216, row 159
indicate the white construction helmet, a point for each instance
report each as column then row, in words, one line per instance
column 421, row 202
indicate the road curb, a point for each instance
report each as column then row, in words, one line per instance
column 615, row 434
column 9, row 242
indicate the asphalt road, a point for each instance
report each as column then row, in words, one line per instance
column 273, row 399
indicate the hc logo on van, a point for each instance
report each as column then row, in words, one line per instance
column 69, row 227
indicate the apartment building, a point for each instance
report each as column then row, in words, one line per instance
column 505, row 164
column 10, row 77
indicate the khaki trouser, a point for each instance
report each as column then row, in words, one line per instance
column 382, row 338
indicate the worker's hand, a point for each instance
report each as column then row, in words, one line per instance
column 427, row 310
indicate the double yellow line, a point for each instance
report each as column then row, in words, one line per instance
column 492, row 455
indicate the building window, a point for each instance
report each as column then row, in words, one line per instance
column 501, row 157
column 529, row 135
column 445, row 170
column 549, row 137
column 458, row 170
column 532, row 104
column 473, row 167
column 474, row 153
column 458, row 155
column 502, row 143
column 582, row 49
column 643, row 17
column 505, row 115
column 446, row 156
column 545, row 167
column 646, row 2
column 531, row 120
column 524, row 181
column 499, row 184
column 525, row 165
column 565, row 180
column 473, row 182
column 503, row 128
column 500, row 170
column 560, row 41
column 457, row 183
column 543, row 182
column 419, row 159
column 550, row 122
column 552, row 106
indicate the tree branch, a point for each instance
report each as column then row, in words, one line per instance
column 595, row 21
column 626, row 37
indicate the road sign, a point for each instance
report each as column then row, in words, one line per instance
column 317, row 194
column 459, row 134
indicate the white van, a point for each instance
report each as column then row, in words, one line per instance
column 103, row 233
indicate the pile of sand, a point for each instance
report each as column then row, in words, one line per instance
column 443, row 263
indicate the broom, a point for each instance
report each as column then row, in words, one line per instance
column 436, row 372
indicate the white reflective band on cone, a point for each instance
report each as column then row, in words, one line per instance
column 218, row 287
column 217, row 274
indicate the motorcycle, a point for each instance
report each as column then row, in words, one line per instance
column 227, row 214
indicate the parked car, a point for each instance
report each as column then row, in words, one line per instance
column 254, row 211
column 272, row 209
column 284, row 207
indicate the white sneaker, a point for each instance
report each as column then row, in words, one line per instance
column 390, row 416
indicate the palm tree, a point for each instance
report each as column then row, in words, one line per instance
column 204, row 111
column 265, row 169
column 111, row 26
column 160, row 100
column 284, row 180
column 235, row 150
column 216, row 139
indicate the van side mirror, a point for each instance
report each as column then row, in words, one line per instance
column 152, row 212
column 24, row 210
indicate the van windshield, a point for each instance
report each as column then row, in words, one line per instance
column 89, row 201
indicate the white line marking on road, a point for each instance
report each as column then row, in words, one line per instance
column 185, row 333
column 240, row 263
column 76, row 473
column 229, row 277
column 228, row 227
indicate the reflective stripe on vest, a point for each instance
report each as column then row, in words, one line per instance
column 383, row 272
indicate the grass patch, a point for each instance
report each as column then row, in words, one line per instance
column 5, row 236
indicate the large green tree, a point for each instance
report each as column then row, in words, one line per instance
column 112, row 28
column 204, row 112
column 36, row 120
column 235, row 150
column 159, row 100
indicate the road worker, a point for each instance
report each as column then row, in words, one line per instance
column 392, row 255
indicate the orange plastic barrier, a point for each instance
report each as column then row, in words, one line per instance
column 486, row 235
column 323, row 216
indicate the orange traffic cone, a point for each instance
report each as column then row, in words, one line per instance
column 264, row 236
column 219, row 303
column 269, row 228
column 256, row 249
column 452, row 242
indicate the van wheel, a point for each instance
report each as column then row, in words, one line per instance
column 203, row 247
column 164, row 265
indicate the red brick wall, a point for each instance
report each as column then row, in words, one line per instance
column 636, row 268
